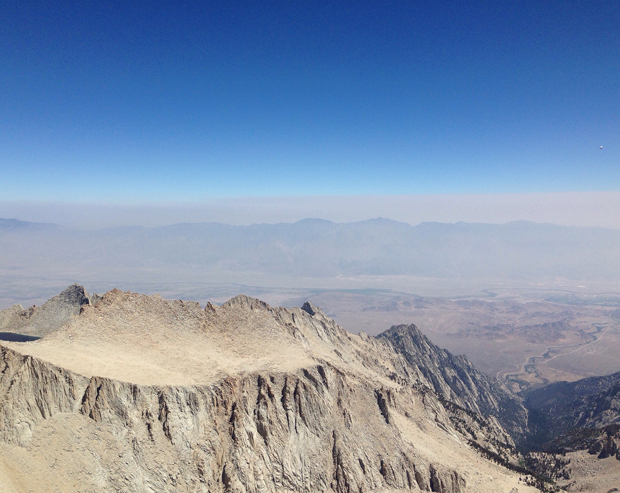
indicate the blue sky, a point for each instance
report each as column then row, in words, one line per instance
column 188, row 101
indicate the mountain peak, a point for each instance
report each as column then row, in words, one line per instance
column 455, row 378
column 49, row 317
column 244, row 301
column 310, row 309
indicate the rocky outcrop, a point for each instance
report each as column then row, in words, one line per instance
column 456, row 380
column 608, row 448
column 43, row 320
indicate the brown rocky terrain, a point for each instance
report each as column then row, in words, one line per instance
column 527, row 338
column 137, row 393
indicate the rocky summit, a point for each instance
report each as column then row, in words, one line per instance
column 133, row 393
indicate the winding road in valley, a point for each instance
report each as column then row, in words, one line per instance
column 533, row 361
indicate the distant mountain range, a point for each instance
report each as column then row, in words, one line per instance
column 319, row 248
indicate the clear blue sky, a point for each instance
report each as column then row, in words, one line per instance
column 146, row 101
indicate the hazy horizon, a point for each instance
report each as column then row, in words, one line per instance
column 595, row 209
column 120, row 113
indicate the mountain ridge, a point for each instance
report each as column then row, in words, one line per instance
column 379, row 219
column 281, row 388
column 461, row 382
column 274, row 387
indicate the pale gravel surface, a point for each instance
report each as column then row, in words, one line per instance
column 148, row 340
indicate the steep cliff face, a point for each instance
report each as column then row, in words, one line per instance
column 294, row 403
column 307, row 431
column 456, row 380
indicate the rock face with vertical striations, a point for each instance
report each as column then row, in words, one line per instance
column 456, row 380
column 139, row 394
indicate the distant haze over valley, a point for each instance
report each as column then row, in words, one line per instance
column 313, row 249
column 521, row 299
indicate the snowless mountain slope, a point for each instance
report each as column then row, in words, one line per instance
column 137, row 393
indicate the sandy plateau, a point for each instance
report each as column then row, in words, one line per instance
column 151, row 341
